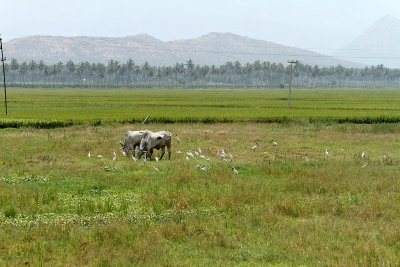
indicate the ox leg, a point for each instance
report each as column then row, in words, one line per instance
column 149, row 152
column 162, row 152
column 169, row 152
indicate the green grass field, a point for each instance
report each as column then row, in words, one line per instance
column 289, row 204
column 186, row 105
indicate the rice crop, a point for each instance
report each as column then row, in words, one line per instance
column 51, row 108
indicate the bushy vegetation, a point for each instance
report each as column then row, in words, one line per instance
column 289, row 204
column 231, row 74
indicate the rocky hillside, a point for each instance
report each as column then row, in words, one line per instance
column 213, row 48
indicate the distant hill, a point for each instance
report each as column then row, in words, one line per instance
column 213, row 48
column 379, row 44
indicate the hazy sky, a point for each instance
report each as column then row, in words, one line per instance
column 320, row 25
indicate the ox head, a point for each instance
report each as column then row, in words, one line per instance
column 143, row 146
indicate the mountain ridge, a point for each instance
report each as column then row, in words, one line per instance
column 378, row 44
column 213, row 48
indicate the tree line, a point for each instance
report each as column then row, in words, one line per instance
column 189, row 74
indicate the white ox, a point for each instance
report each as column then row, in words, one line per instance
column 132, row 140
column 155, row 140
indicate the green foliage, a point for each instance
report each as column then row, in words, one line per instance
column 10, row 212
column 189, row 75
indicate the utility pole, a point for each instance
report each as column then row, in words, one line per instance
column 4, row 74
column 291, row 62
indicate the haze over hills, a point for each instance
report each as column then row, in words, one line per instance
column 379, row 44
column 212, row 48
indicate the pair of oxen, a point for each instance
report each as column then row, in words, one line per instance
column 146, row 141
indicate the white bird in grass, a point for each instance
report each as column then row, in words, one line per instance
column 177, row 138
column 254, row 147
column 326, row 152
column 221, row 153
column 234, row 170
column 178, row 152
column 362, row 154
column 199, row 149
column 202, row 156
column 190, row 154
column 114, row 156
column 201, row 168
column 197, row 153
column 156, row 169
column 88, row 154
column 363, row 166
column 274, row 143
column 133, row 158
column 100, row 156
column 156, row 159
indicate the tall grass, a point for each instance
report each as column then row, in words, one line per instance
column 289, row 205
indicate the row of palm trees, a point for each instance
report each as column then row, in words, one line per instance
column 230, row 74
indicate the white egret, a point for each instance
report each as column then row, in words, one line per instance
column 255, row 147
column 88, row 154
column 201, row 168
column 221, row 153
column 114, row 156
column 234, row 170
column 156, row 169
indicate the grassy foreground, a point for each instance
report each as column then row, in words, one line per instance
column 289, row 205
